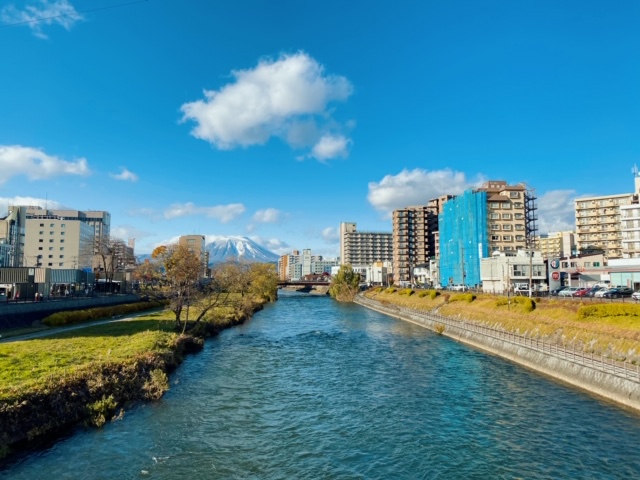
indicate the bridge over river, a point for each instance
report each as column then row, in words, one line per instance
column 316, row 287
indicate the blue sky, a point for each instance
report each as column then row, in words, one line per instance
column 279, row 120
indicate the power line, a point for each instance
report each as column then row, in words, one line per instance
column 75, row 14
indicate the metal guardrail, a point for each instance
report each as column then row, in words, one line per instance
column 600, row 363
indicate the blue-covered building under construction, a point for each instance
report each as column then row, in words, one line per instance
column 463, row 238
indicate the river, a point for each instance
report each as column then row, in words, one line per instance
column 313, row 389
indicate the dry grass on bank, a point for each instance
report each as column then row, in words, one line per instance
column 616, row 336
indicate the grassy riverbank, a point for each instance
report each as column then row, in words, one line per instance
column 89, row 376
column 612, row 332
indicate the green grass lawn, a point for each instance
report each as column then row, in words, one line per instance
column 31, row 363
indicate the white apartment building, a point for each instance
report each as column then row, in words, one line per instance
column 599, row 223
column 364, row 248
column 630, row 230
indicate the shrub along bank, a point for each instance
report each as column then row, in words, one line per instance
column 89, row 376
column 609, row 329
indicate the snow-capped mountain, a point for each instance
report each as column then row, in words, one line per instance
column 238, row 248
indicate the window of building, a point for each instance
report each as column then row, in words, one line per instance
column 495, row 205
column 40, row 240
column 506, row 205
column 495, row 216
column 52, row 225
column 514, row 194
column 62, row 241
column 41, row 232
column 519, row 227
column 506, row 227
column 50, row 248
column 51, row 240
column 506, row 216
column 61, row 233
column 565, row 264
column 42, row 224
column 51, row 233
column 39, row 248
column 61, row 248
column 587, row 264
column 50, row 256
column 518, row 205
column 62, row 225
column 506, row 238
column 50, row 264
column 519, row 238
column 495, row 226
column 596, row 264
column 61, row 264
column 61, row 256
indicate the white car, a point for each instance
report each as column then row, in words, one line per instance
column 600, row 293
column 635, row 296
column 567, row 292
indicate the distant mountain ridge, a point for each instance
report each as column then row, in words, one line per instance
column 224, row 249
column 240, row 249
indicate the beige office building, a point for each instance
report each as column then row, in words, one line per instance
column 556, row 244
column 196, row 244
column 59, row 239
column 599, row 223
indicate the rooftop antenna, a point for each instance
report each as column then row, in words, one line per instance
column 635, row 170
column 46, row 201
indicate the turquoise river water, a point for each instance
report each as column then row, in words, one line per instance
column 313, row 389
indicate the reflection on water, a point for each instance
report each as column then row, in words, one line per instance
column 311, row 388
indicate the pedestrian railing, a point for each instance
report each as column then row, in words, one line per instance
column 601, row 363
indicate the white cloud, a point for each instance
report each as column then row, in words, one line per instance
column 45, row 12
column 223, row 213
column 331, row 146
column 273, row 244
column 268, row 215
column 556, row 211
column 127, row 232
column 283, row 98
column 331, row 235
column 416, row 187
column 35, row 164
column 125, row 175
column 26, row 201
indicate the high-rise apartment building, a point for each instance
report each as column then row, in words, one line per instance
column 364, row 248
column 415, row 237
column 599, row 223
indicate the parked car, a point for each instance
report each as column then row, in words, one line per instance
column 596, row 289
column 635, row 296
column 556, row 291
column 620, row 292
column 567, row 292
column 581, row 292
column 600, row 293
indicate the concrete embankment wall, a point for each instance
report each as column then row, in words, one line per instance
column 613, row 382
column 16, row 315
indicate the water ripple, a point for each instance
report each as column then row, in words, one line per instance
column 311, row 389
